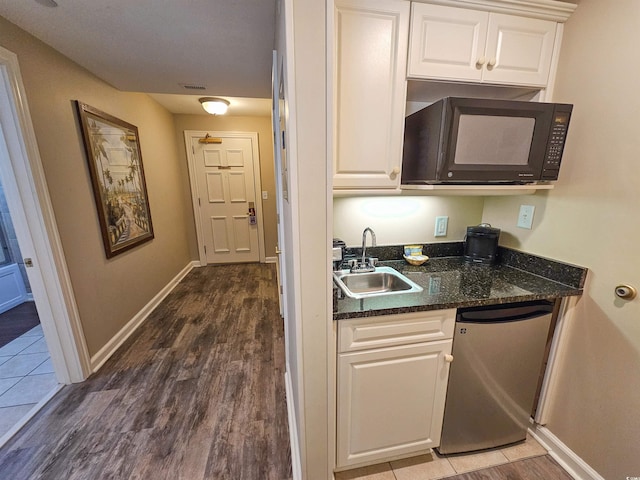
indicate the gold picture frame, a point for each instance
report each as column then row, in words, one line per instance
column 117, row 177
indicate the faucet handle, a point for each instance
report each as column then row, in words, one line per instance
column 373, row 261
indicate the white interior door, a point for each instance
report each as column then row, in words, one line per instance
column 225, row 181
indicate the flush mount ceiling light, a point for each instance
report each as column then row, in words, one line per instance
column 214, row 106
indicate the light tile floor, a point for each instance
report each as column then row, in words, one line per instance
column 26, row 377
column 434, row 466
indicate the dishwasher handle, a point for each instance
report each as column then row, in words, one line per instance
column 504, row 313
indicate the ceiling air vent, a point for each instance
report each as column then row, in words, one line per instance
column 191, row 86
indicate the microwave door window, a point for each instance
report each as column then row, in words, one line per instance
column 493, row 140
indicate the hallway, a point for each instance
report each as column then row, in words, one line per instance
column 197, row 392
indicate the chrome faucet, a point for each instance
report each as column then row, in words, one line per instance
column 365, row 265
column 364, row 242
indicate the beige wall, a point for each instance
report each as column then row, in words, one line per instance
column 262, row 125
column 591, row 219
column 108, row 292
column 404, row 219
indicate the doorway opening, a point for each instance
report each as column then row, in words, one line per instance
column 26, row 372
column 15, row 288
column 33, row 221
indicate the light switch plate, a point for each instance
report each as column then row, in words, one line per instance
column 441, row 227
column 265, row 194
column 525, row 217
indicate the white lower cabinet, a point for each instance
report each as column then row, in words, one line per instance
column 391, row 400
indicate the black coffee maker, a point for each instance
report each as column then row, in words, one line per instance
column 481, row 244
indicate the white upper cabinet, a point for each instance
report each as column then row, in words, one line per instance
column 370, row 89
column 519, row 50
column 446, row 42
column 449, row 43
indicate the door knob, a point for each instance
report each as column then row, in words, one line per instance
column 627, row 292
column 448, row 358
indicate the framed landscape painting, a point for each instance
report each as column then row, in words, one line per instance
column 117, row 176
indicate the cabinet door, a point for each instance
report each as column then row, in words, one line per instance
column 446, row 42
column 390, row 401
column 370, row 65
column 520, row 50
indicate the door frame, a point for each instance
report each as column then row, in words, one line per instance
column 281, row 248
column 34, row 222
column 189, row 136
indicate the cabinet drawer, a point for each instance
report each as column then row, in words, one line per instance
column 385, row 331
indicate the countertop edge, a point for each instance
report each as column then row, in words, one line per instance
column 443, row 306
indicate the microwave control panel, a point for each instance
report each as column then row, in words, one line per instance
column 557, row 138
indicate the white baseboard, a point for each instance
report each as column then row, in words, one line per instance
column 119, row 338
column 296, row 466
column 572, row 463
column 270, row 259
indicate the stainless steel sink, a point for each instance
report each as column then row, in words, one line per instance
column 384, row 281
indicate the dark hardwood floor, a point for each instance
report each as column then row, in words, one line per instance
column 196, row 393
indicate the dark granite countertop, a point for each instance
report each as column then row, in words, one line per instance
column 449, row 282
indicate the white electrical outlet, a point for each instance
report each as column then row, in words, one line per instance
column 525, row 217
column 441, row 227
column 265, row 194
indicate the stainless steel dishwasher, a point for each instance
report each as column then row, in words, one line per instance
column 498, row 353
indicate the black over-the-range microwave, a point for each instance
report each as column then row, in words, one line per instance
column 480, row 141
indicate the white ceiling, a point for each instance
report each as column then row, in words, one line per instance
column 224, row 46
column 189, row 104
